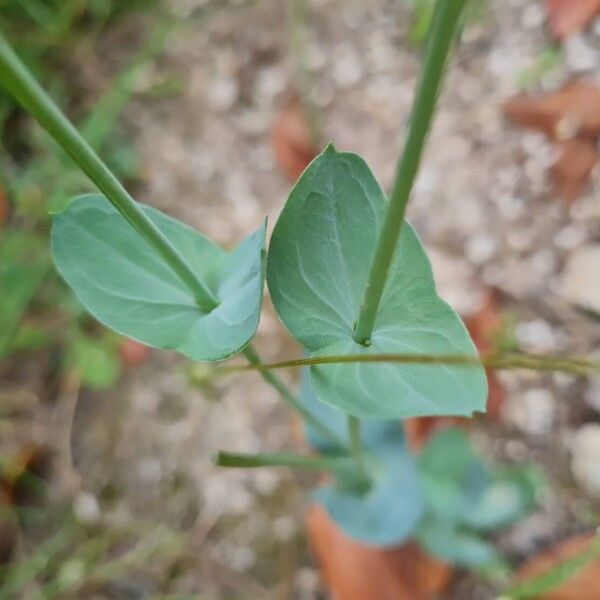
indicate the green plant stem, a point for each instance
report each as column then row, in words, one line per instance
column 356, row 440
column 17, row 80
column 443, row 28
column 289, row 397
column 294, row 461
column 533, row 362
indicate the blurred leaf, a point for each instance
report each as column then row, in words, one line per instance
column 460, row 547
column 95, row 360
column 120, row 279
column 318, row 267
column 356, row 571
column 390, row 510
column 23, row 265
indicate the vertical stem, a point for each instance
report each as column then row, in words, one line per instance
column 355, row 440
column 443, row 29
column 15, row 77
column 290, row 399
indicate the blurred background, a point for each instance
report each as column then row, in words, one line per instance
column 209, row 110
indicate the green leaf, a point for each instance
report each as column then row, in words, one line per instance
column 319, row 261
column 95, row 359
column 509, row 497
column 373, row 432
column 391, row 509
column 23, row 265
column 119, row 278
column 457, row 546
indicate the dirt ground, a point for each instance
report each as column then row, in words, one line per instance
column 483, row 204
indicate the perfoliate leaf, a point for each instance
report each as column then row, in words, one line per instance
column 389, row 512
column 124, row 283
column 457, row 546
column 373, row 431
column 318, row 267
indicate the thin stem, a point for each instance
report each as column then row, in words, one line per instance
column 17, row 80
column 533, row 362
column 356, row 440
column 295, row 461
column 289, row 397
column 443, row 29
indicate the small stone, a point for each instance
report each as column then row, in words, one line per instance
column 580, row 281
column 579, row 55
column 223, row 94
column 86, row 508
column 585, row 461
column 533, row 16
column 538, row 336
column 150, row 469
column 591, row 395
column 480, row 248
column 532, row 412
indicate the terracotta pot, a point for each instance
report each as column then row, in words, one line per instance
column 353, row 571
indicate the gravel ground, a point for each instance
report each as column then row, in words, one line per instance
column 483, row 205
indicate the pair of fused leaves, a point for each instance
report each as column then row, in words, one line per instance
column 127, row 286
column 446, row 497
column 318, row 268
column 464, row 499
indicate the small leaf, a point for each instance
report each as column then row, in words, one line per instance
column 122, row 282
column 318, row 267
column 95, row 360
column 460, row 547
column 391, row 509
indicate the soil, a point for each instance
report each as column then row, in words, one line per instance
column 483, row 205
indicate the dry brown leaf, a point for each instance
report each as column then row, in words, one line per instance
column 567, row 17
column 353, row 571
column 572, row 111
column 132, row 353
column 8, row 528
column 292, row 142
column 571, row 172
column 583, row 585
column 419, row 429
column 483, row 326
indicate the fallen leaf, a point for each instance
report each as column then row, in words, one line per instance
column 572, row 111
column 419, row 429
column 571, row 172
column 353, row 571
column 8, row 528
column 583, row 584
column 132, row 353
column 567, row 17
column 292, row 142
column 484, row 325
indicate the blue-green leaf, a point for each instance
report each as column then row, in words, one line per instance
column 457, row 546
column 122, row 282
column 319, row 261
column 390, row 511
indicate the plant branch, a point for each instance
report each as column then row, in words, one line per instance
column 356, row 441
column 442, row 32
column 533, row 362
column 294, row 461
column 290, row 398
column 17, row 80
